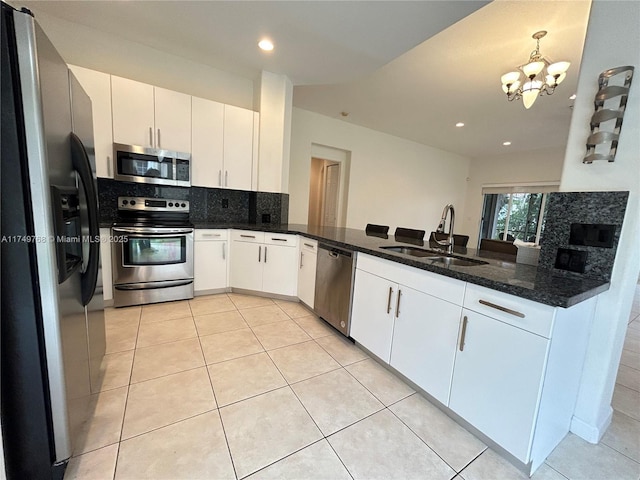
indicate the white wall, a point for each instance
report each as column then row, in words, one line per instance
column 90, row 48
column 392, row 181
column 613, row 36
column 542, row 165
column 276, row 94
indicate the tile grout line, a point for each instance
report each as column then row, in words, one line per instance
column 429, row 446
column 215, row 399
column 124, row 413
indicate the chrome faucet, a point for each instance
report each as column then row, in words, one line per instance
column 449, row 242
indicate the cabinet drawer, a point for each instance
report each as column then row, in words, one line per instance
column 439, row 286
column 519, row 312
column 308, row 245
column 206, row 235
column 280, row 239
column 247, row 236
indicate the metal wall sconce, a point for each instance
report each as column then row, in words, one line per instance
column 605, row 117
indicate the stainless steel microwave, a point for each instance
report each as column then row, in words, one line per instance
column 133, row 163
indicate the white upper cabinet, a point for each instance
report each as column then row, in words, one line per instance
column 207, row 125
column 172, row 120
column 237, row 147
column 222, row 139
column 133, row 112
column 98, row 87
column 150, row 116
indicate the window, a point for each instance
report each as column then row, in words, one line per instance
column 511, row 213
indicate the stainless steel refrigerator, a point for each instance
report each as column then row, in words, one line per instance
column 52, row 306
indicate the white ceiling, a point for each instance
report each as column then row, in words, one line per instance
column 393, row 65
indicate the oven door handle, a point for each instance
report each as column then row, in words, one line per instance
column 153, row 285
column 153, row 231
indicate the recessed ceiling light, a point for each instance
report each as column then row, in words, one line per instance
column 506, row 144
column 459, row 124
column 266, row 45
column 573, row 97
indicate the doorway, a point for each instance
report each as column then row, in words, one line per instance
column 324, row 193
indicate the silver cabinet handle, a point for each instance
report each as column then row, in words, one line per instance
column 247, row 236
column 210, row 235
column 150, row 137
column 259, row 253
column 501, row 308
column 265, row 254
column 226, row 178
column 224, row 250
column 463, row 333
column 220, row 177
column 309, row 245
column 389, row 299
column 398, row 303
column 279, row 239
column 301, row 255
column 159, row 139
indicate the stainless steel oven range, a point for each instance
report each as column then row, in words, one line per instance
column 152, row 251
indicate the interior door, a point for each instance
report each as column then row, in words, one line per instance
column 331, row 191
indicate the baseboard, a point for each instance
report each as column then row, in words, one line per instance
column 214, row 291
column 591, row 433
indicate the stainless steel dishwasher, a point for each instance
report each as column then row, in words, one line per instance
column 334, row 279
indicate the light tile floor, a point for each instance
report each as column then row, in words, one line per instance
column 233, row 386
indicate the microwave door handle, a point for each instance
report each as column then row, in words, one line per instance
column 80, row 160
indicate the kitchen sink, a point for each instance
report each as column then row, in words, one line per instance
column 460, row 262
column 434, row 256
column 413, row 251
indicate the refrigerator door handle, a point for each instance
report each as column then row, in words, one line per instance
column 82, row 165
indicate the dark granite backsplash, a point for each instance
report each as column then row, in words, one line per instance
column 565, row 208
column 215, row 205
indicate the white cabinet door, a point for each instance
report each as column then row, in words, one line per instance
column 280, row 274
column 238, row 147
column 98, row 87
column 105, row 263
column 424, row 340
column 307, row 271
column 210, row 265
column 246, row 265
column 497, row 379
column 372, row 313
column 207, row 127
column 133, row 112
column 172, row 120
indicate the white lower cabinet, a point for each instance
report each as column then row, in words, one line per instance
column 307, row 270
column 424, row 340
column 246, row 261
column 210, row 257
column 411, row 330
column 264, row 262
column 371, row 314
column 497, row 380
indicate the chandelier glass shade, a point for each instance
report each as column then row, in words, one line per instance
column 536, row 77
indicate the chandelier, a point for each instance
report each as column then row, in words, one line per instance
column 537, row 77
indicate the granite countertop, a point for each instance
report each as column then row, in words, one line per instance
column 499, row 273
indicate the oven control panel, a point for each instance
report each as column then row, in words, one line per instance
column 144, row 204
